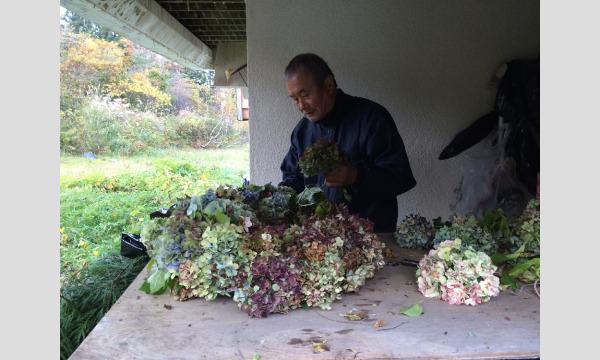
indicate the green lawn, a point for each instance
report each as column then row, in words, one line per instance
column 104, row 197
column 101, row 198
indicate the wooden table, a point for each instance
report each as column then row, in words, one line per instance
column 141, row 326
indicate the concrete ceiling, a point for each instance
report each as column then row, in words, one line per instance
column 212, row 22
column 185, row 31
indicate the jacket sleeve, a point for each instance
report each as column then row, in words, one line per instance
column 386, row 172
column 290, row 170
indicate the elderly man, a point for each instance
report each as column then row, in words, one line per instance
column 377, row 168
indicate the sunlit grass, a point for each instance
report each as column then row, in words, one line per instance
column 107, row 196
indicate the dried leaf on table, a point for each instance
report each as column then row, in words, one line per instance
column 319, row 347
column 378, row 324
column 354, row 315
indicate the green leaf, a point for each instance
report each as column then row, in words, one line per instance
column 499, row 258
column 310, row 196
column 413, row 310
column 150, row 264
column 347, row 196
column 158, row 282
column 323, row 209
column 145, row 287
column 221, row 217
column 509, row 280
column 192, row 209
column 521, row 267
column 211, row 208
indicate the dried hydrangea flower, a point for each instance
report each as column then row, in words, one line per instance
column 271, row 286
column 414, row 232
column 216, row 245
column 457, row 275
column 320, row 158
column 527, row 229
column 471, row 234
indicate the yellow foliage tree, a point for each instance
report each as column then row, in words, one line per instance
column 90, row 64
column 141, row 93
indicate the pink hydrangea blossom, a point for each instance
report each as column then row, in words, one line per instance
column 457, row 276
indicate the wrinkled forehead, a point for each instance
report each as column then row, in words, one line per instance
column 302, row 73
column 300, row 80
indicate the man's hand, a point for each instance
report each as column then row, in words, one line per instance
column 343, row 176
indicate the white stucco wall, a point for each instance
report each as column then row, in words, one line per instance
column 428, row 62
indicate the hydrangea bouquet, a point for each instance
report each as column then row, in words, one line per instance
column 320, row 158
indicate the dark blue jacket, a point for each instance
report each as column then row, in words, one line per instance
column 367, row 135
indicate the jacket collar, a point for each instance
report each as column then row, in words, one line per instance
column 333, row 118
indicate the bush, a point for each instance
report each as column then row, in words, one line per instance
column 106, row 126
column 203, row 132
column 71, row 121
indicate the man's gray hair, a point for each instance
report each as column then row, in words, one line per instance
column 313, row 64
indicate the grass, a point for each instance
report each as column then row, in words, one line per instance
column 102, row 198
column 107, row 196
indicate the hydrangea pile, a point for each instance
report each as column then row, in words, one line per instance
column 414, row 232
column 253, row 243
column 457, row 274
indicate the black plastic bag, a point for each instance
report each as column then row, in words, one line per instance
column 518, row 105
column 131, row 246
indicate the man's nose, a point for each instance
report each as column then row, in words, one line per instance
column 301, row 104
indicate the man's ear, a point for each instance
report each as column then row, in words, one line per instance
column 329, row 84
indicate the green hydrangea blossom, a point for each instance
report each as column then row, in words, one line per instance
column 414, row 232
column 527, row 229
column 323, row 281
column 320, row 158
column 213, row 272
column 468, row 230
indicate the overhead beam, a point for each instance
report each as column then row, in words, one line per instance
column 147, row 24
column 229, row 57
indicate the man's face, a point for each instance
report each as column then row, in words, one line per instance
column 313, row 101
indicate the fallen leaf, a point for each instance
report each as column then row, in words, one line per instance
column 413, row 310
column 388, row 254
column 356, row 315
column 319, row 347
column 378, row 324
